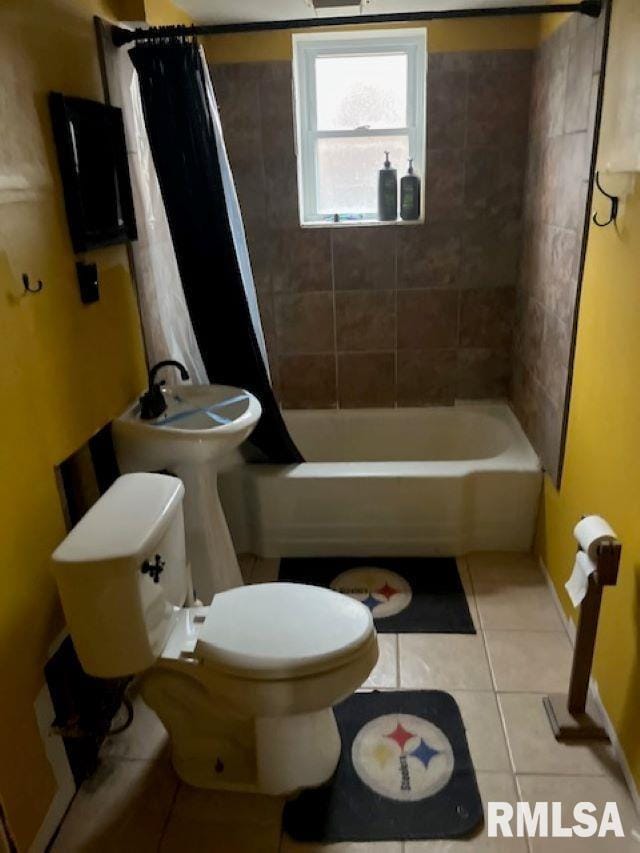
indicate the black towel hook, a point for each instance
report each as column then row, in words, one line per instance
column 28, row 288
column 615, row 203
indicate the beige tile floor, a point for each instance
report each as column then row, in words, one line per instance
column 498, row 677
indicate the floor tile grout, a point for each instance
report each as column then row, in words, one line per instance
column 523, row 631
column 482, row 632
column 527, row 692
column 494, row 690
column 494, row 683
column 255, row 568
column 559, row 775
column 519, row 796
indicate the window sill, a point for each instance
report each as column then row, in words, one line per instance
column 364, row 223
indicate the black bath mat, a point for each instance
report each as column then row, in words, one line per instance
column 406, row 595
column 404, row 773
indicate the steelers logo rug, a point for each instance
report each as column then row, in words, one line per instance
column 404, row 773
column 404, row 594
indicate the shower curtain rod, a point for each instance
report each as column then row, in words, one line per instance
column 121, row 36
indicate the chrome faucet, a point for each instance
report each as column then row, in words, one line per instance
column 152, row 402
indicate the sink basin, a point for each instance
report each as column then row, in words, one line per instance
column 202, row 423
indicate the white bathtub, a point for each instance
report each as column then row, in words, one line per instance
column 390, row 482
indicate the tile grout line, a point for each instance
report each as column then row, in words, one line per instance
column 519, row 795
column 395, row 323
column 494, row 690
column 573, row 774
column 482, row 629
column 545, row 631
column 335, row 319
column 498, row 693
column 503, row 721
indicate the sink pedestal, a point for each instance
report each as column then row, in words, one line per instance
column 200, row 426
column 214, row 566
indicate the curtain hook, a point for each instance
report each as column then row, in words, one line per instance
column 28, row 288
column 615, row 202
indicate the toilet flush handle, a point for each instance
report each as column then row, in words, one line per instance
column 153, row 569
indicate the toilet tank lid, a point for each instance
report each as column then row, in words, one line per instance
column 125, row 521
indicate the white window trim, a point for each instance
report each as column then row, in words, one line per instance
column 306, row 48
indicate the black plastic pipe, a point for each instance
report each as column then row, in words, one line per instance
column 121, row 36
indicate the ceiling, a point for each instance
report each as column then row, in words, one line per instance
column 242, row 11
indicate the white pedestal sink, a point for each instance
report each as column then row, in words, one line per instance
column 201, row 424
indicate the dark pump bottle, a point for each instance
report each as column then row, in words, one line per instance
column 387, row 192
column 410, row 195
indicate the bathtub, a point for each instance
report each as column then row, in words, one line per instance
column 390, row 482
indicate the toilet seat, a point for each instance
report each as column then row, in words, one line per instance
column 282, row 631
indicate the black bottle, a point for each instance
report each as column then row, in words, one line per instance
column 410, row 195
column 387, row 192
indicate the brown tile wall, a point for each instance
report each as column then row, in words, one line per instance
column 393, row 315
column 561, row 138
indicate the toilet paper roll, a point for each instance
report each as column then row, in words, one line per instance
column 590, row 532
column 578, row 583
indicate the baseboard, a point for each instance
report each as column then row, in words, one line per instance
column 570, row 628
column 567, row 622
column 65, row 786
column 617, row 747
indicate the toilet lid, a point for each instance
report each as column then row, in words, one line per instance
column 279, row 629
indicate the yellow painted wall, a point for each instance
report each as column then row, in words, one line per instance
column 602, row 461
column 519, row 32
column 161, row 12
column 124, row 10
column 65, row 369
column 550, row 23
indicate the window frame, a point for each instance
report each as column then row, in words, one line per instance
column 306, row 48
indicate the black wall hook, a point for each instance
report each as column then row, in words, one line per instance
column 615, row 203
column 28, row 288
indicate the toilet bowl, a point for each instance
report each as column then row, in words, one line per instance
column 274, row 659
column 245, row 687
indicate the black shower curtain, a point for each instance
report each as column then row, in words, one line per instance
column 181, row 136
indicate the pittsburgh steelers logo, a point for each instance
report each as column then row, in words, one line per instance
column 402, row 757
column 384, row 592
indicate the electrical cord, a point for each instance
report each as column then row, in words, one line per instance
column 128, row 706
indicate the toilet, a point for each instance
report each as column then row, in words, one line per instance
column 246, row 686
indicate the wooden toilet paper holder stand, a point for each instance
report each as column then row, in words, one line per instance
column 575, row 716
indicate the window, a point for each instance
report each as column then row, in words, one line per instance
column 357, row 95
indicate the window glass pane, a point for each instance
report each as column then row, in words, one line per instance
column 361, row 91
column 348, row 171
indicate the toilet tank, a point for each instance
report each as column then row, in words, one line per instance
column 122, row 574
